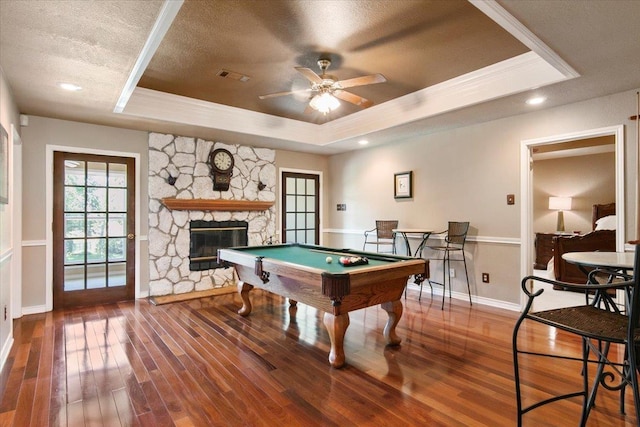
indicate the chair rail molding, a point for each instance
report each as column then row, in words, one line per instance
column 475, row 239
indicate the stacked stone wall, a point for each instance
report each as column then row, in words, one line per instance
column 187, row 160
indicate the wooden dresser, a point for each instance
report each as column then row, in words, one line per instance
column 544, row 248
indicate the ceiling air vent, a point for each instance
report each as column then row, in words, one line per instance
column 233, row 75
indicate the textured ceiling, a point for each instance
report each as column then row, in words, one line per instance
column 415, row 44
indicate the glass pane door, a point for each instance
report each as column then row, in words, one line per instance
column 93, row 216
column 300, row 219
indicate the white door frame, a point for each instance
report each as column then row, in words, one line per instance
column 279, row 200
column 16, row 223
column 526, row 189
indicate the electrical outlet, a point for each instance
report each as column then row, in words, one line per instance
column 485, row 277
column 452, row 272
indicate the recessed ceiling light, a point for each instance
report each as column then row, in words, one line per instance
column 363, row 142
column 69, row 86
column 537, row 100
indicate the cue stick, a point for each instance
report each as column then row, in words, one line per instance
column 637, row 165
column 381, row 257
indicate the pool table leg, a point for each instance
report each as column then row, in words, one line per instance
column 336, row 326
column 394, row 309
column 243, row 290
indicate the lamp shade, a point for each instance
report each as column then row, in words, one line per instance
column 560, row 203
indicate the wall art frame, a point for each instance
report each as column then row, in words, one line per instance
column 403, row 185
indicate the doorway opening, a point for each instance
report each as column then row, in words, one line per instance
column 535, row 214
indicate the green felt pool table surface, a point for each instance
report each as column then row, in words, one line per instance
column 315, row 257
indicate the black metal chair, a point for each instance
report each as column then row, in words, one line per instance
column 600, row 324
column 382, row 235
column 454, row 240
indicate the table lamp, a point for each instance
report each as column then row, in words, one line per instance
column 560, row 204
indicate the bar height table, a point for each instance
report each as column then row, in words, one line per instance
column 422, row 232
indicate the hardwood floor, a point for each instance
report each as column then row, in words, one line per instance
column 199, row 363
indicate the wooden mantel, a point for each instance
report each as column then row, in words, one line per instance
column 215, row 204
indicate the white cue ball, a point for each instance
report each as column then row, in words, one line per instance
column 329, row 260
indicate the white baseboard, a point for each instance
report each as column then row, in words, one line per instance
column 34, row 309
column 6, row 348
column 437, row 292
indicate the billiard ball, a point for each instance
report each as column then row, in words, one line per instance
column 329, row 260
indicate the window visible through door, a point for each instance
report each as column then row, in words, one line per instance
column 93, row 229
column 300, row 201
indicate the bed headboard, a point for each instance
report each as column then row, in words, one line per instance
column 600, row 211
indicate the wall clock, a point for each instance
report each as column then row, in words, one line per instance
column 221, row 163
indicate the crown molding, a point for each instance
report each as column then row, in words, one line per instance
column 507, row 21
column 508, row 77
column 166, row 16
column 168, row 107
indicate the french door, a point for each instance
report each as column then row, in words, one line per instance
column 301, row 210
column 93, row 229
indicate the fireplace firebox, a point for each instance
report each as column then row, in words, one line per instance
column 209, row 236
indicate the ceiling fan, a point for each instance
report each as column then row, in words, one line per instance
column 325, row 89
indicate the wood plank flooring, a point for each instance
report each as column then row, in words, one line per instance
column 198, row 363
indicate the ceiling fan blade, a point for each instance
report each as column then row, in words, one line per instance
column 361, row 81
column 352, row 98
column 291, row 92
column 309, row 74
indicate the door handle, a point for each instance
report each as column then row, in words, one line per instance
column 130, row 236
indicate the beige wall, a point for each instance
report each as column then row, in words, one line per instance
column 462, row 174
column 588, row 180
column 466, row 174
column 45, row 131
column 41, row 133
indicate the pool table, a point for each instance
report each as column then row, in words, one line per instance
column 301, row 273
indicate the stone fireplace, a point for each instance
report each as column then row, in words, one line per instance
column 181, row 191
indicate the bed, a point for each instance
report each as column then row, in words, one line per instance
column 602, row 238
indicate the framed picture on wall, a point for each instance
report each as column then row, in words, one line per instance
column 403, row 185
column 4, row 166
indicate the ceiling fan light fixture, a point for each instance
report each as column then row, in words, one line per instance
column 329, row 90
column 324, row 103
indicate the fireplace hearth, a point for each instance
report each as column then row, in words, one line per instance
column 206, row 237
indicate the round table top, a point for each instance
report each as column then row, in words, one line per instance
column 412, row 230
column 623, row 260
